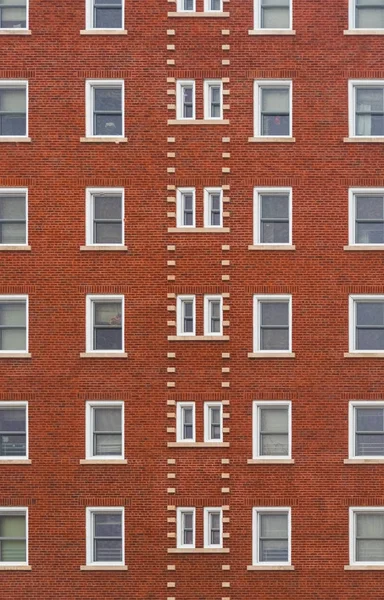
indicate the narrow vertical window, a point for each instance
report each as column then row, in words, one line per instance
column 105, row 217
column 186, row 207
column 105, row 114
column 272, row 216
column 13, row 217
column 366, row 536
column 272, row 318
column 13, row 14
column 213, row 91
column 213, row 422
column 13, row 324
column 273, row 113
column 105, row 534
column 213, row 534
column 273, row 14
column 185, row 422
column 185, row 527
column 213, row 315
column 13, row 536
column 105, row 14
column 105, row 322
column 186, row 315
column 213, row 207
column 185, row 100
column 13, row 431
column 271, row 430
column 13, row 109
column 271, row 536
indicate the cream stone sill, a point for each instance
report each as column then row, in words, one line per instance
column 198, row 550
column 198, row 14
column 15, row 355
column 272, row 247
column 365, row 140
column 103, row 568
column 100, row 140
column 104, row 355
column 15, row 32
column 364, row 354
column 271, row 32
column 364, row 461
column 198, row 338
column 272, row 139
column 364, row 248
column 15, row 248
column 364, row 568
column 364, row 32
column 199, row 230
column 198, row 121
column 16, row 568
column 103, row 248
column 23, row 140
column 103, row 32
column 20, row 461
column 109, row 461
column 271, row 568
column 198, row 445
column 270, row 461
column 271, row 355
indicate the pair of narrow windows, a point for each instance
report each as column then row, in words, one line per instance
column 186, row 422
column 186, row 99
column 209, row 5
column 213, row 527
column 186, row 315
column 186, row 207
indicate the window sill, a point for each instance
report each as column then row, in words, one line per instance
column 198, row 445
column 199, row 230
column 198, row 338
column 103, row 248
column 364, row 568
column 103, row 32
column 199, row 14
column 198, row 550
column 104, row 355
column 271, row 355
column 279, row 247
column 15, row 32
column 15, row 248
column 271, row 32
column 105, row 140
column 109, row 461
column 364, row 354
column 366, row 248
column 270, row 461
column 19, row 461
column 22, row 355
column 364, row 140
column 104, row 568
column 286, row 140
column 364, row 32
column 16, row 568
column 14, row 140
column 198, row 121
column 271, row 568
column 364, row 461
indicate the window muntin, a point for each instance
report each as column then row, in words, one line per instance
column 213, row 207
column 13, row 217
column 273, row 113
column 213, row 96
column 105, row 534
column 213, row 528
column 273, row 14
column 186, row 5
column 105, row 327
column 185, row 417
column 13, row 431
column 367, row 14
column 105, row 108
column 186, row 315
column 273, row 216
column 13, row 536
column 367, row 323
column 186, row 518
column 272, row 323
column 271, row 545
column 366, row 217
column 213, row 315
column 185, row 99
column 186, row 207
column 105, row 14
column 213, row 5
column 105, row 430
column 271, row 430
column 105, row 217
column 367, row 536
column 213, row 422
column 13, row 108
column 13, row 324
column 13, row 14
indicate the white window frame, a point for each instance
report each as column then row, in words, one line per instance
column 208, row 298
column 257, row 299
column 352, row 194
column 11, row 404
column 179, row 421
column 353, row 511
column 207, row 207
column 89, row 321
column 89, row 18
column 257, row 193
column 17, row 191
column 255, row 529
column 180, row 207
column 16, row 29
column 90, row 85
column 207, row 422
column 179, row 97
column 353, row 84
column 353, row 405
column 179, row 526
column 20, row 83
column 90, row 511
column 208, row 83
column 207, row 7
column 90, row 405
column 352, row 19
column 353, row 298
column 261, row 84
column 18, row 298
column 180, row 6
column 257, row 19
column 257, row 405
column 89, row 211
column 180, row 314
column 207, row 511
column 16, row 510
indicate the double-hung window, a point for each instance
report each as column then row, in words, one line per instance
column 105, row 108
column 105, row 536
column 13, row 537
column 186, row 525
column 213, row 315
column 105, row 324
column 105, row 430
column 366, row 536
column 186, row 5
column 271, row 430
column 272, row 536
column 213, row 207
column 213, row 527
column 13, row 109
column 273, row 14
column 13, row 324
column 213, row 5
column 13, row 431
column 105, row 217
column 366, row 323
column 213, row 99
column 366, row 429
column 366, row 14
column 185, row 421
column 366, row 217
column 186, row 315
column 185, row 99
column 366, row 108
column 13, row 217
column 272, row 216
column 105, row 14
column 185, row 209
column 13, row 14
column 213, row 422
column 272, row 324
column 273, row 108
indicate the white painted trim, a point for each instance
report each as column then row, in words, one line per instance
column 16, row 298
column 257, row 18
column 352, row 193
column 89, row 212
column 23, row 404
column 21, row 83
column 17, row 191
column 17, row 510
column 207, row 513
column 207, row 207
column 180, row 83
column 90, row 405
column 89, row 320
column 180, row 207
column 180, row 7
column 180, row 314
column 257, row 299
column 207, row 314
column 89, row 26
column 179, row 421
column 353, row 405
column 90, row 85
column 353, row 298
column 255, row 527
column 208, row 83
column 259, row 85
column 259, row 191
column 208, row 9
column 257, row 404
column 19, row 29
column 90, row 512
column 179, row 524
column 207, row 422
column 353, row 84
column 353, row 511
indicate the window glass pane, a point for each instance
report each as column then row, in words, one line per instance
column 12, row 526
column 370, row 3
column 370, row 233
column 107, row 207
column 107, row 99
column 370, row 18
column 275, row 100
column 108, row 313
column 13, row 18
column 274, row 445
column 108, row 525
column 369, row 445
column 108, row 551
column 188, row 520
column 12, row 419
column 188, row 309
column 107, row 419
column 370, row 419
column 215, row 520
column 370, row 550
column 13, row 100
column 275, row 125
column 274, row 233
column 108, row 125
column 13, row 551
column 369, row 99
column 370, row 339
column 13, row 339
column 108, row 233
column 108, row 339
column 12, row 207
column 108, row 2
column 108, row 18
column 275, row 2
column 275, row 18
column 274, row 339
column 188, row 4
column 274, row 420
column 188, row 415
column 215, row 4
column 273, row 551
column 274, row 525
column 370, row 313
column 13, row 314
column 274, row 313
column 106, row 445
column 12, row 3
column 369, row 207
column 274, row 207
